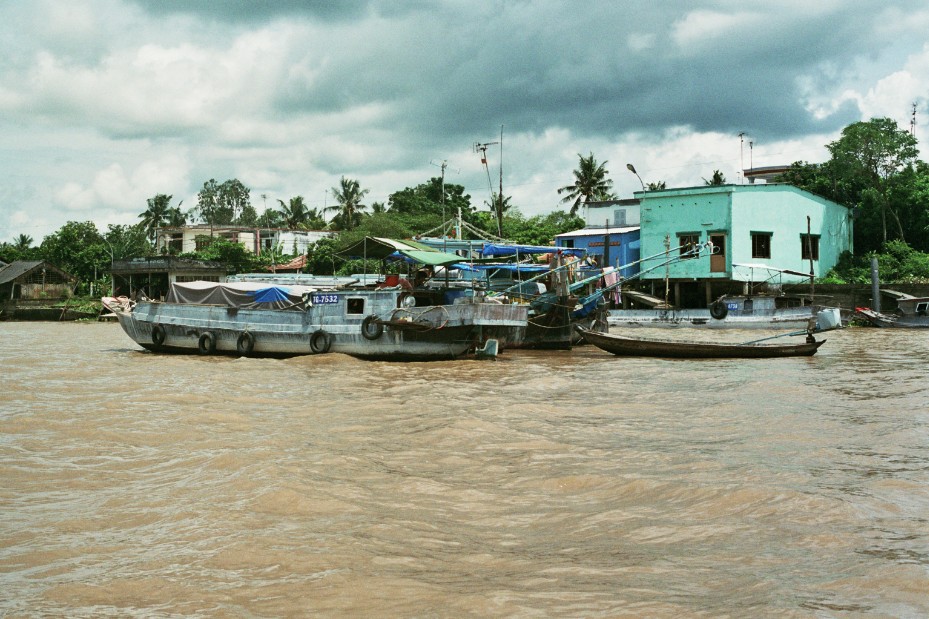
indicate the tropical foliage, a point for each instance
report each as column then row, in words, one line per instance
column 873, row 169
column 349, row 208
column 590, row 183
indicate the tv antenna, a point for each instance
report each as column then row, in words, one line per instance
column 443, row 165
column 496, row 201
column 742, row 156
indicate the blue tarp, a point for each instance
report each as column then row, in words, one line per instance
column 271, row 294
column 514, row 267
column 490, row 250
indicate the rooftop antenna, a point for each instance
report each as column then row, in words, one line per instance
column 482, row 149
column 443, row 166
column 751, row 152
column 741, row 156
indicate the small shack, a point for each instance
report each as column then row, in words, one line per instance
column 154, row 275
column 29, row 287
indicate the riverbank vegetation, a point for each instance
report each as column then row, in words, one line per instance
column 873, row 170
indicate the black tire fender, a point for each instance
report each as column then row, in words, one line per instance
column 371, row 328
column 719, row 310
column 245, row 344
column 320, row 342
column 206, row 345
column 158, row 335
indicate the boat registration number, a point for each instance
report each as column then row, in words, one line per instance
column 324, row 299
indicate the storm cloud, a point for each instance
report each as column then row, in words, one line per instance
column 105, row 103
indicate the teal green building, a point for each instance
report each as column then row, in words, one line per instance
column 751, row 227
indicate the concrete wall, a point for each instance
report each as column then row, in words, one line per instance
column 737, row 211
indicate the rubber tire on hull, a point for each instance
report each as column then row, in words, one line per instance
column 206, row 345
column 245, row 344
column 320, row 342
column 719, row 310
column 158, row 335
column 371, row 329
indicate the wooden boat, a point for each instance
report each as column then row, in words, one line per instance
column 376, row 321
column 637, row 347
column 560, row 294
column 912, row 313
column 211, row 318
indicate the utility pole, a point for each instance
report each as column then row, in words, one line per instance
column 482, row 149
column 741, row 156
column 500, row 196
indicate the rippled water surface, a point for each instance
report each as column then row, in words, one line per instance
column 543, row 484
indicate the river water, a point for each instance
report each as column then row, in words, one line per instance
column 542, row 484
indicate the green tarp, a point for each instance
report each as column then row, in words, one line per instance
column 379, row 249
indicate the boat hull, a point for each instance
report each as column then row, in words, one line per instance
column 634, row 347
column 382, row 331
column 791, row 318
column 888, row 321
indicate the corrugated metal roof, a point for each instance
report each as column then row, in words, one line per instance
column 17, row 269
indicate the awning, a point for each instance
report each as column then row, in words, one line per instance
column 382, row 249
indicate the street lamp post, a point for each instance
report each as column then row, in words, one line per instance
column 631, row 168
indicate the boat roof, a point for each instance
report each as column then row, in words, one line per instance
column 382, row 249
column 768, row 267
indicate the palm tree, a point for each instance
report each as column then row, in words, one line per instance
column 175, row 217
column 156, row 214
column 348, row 195
column 590, row 183
column 22, row 242
column 718, row 179
column 294, row 212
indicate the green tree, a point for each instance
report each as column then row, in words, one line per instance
column 293, row 213
column 590, row 183
column 156, row 215
column 77, row 248
column 208, row 203
column 349, row 195
column 20, row 249
column 718, row 178
column 175, row 217
column 217, row 249
column 872, row 170
column 873, row 153
column 23, row 242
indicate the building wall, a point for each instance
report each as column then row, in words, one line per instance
column 683, row 211
column 184, row 240
column 782, row 210
column 614, row 214
column 623, row 249
column 737, row 211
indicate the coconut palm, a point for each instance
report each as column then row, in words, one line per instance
column 175, row 217
column 718, row 179
column 294, row 212
column 590, row 183
column 22, row 242
column 349, row 195
column 156, row 214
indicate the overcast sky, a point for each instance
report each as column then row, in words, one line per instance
column 105, row 103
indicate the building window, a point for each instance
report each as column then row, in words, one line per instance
column 809, row 246
column 688, row 242
column 567, row 243
column 761, row 244
column 619, row 217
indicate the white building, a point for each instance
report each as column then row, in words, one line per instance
column 256, row 240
